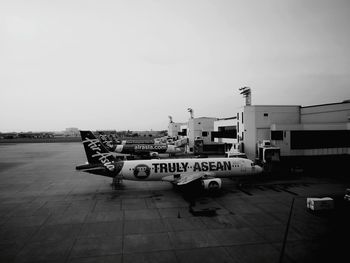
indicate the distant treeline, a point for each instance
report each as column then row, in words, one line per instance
column 41, row 140
column 57, row 139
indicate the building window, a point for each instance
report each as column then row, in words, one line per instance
column 266, row 114
column 277, row 135
column 237, row 127
column 242, row 136
column 204, row 134
column 319, row 139
column 238, row 116
column 242, row 117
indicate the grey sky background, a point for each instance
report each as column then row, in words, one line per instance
column 129, row 64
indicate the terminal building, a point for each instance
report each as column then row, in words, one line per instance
column 225, row 132
column 295, row 134
column 292, row 135
column 206, row 135
column 200, row 129
column 174, row 128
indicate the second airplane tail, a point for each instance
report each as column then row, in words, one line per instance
column 107, row 142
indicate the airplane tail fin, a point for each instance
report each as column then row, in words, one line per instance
column 96, row 153
column 106, row 142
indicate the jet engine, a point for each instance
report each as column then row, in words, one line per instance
column 154, row 155
column 211, row 184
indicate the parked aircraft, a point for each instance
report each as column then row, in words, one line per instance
column 148, row 150
column 116, row 141
column 176, row 171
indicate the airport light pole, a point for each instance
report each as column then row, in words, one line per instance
column 286, row 232
column 247, row 94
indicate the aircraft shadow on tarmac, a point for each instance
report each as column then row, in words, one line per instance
column 200, row 200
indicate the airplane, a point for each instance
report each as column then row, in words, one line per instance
column 145, row 150
column 176, row 171
column 113, row 140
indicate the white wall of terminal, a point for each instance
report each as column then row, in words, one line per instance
column 327, row 113
column 200, row 127
column 174, row 128
column 255, row 123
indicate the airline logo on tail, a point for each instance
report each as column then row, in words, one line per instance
column 107, row 142
column 94, row 145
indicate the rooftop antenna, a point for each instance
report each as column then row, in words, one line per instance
column 191, row 112
column 170, row 119
column 247, row 94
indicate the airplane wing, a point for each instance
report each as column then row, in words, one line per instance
column 185, row 178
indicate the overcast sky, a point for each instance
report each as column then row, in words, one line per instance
column 130, row 64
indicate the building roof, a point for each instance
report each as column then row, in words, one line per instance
column 318, row 105
column 205, row 118
column 273, row 106
column 327, row 104
column 228, row 118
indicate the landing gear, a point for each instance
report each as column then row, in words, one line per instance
column 117, row 182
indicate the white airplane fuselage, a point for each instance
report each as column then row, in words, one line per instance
column 157, row 169
column 147, row 148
